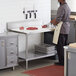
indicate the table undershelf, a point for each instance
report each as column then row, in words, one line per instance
column 35, row 55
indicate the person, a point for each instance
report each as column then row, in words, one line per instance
column 63, row 14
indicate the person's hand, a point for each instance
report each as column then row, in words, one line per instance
column 52, row 21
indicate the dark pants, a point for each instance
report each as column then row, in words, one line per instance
column 62, row 41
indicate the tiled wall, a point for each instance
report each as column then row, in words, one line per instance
column 12, row 10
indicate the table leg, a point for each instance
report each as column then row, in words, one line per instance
column 13, row 68
column 26, row 64
column 26, row 52
column 65, row 62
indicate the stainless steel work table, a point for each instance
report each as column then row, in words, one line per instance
column 69, row 61
column 30, row 55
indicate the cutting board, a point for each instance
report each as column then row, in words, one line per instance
column 73, row 45
column 73, row 17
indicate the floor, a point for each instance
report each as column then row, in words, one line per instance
column 21, row 68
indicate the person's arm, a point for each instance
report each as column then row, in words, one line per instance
column 59, row 17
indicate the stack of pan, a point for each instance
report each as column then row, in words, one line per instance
column 45, row 48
